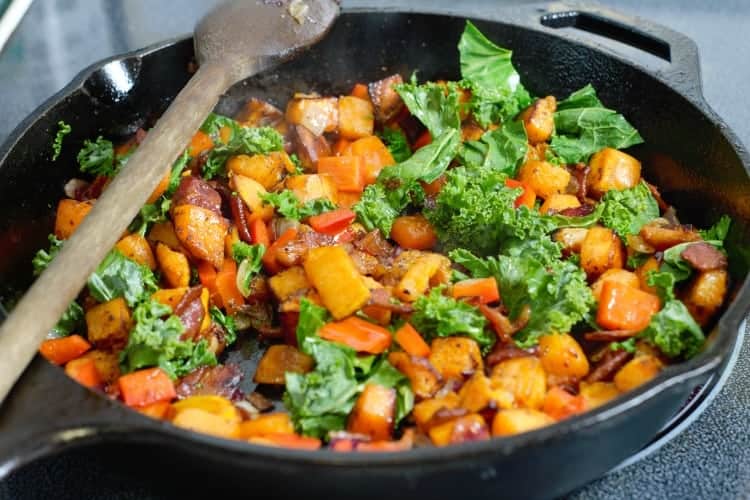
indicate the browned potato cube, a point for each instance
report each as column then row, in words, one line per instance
column 477, row 394
column 706, row 294
column 374, row 413
column 318, row 114
column 109, row 324
column 601, row 250
column 278, row 360
column 571, row 238
column 311, row 187
column 289, row 282
column 559, row 202
column 642, row 272
column 612, row 169
column 268, row 170
column 174, row 265
column 539, row 119
column 425, row 379
column 107, row 364
column 470, row 427
column 544, row 178
column 356, row 118
column 561, row 355
column 416, row 281
column 425, row 410
column 636, row 372
column 518, row 420
column 331, row 271
column 597, row 393
column 308, row 146
column 619, row 275
column 456, row 357
column 524, row 378
column 662, row 237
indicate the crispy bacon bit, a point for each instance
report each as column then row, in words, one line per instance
column 239, row 216
column 503, row 352
column 221, row 380
column 374, row 244
column 578, row 180
column 505, row 328
column 289, row 322
column 259, row 401
column 577, row 211
column 607, row 366
column 610, row 335
column 704, row 257
column 385, row 99
column 190, row 311
column 195, row 191
column 95, row 189
column 381, row 297
column 308, row 146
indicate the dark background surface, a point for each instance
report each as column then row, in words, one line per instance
column 58, row 38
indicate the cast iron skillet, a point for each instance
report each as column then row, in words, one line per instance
column 689, row 152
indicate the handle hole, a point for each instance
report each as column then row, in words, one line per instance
column 609, row 28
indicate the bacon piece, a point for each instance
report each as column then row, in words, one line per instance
column 221, row 380
column 374, row 244
column 381, row 297
column 607, row 366
column 577, row 211
column 239, row 216
column 610, row 335
column 195, row 191
column 385, row 99
column 308, row 146
column 190, row 311
column 503, row 352
column 704, row 257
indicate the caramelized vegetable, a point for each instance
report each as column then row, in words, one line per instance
column 612, row 169
column 70, row 213
column 456, row 357
column 374, row 412
column 524, row 378
column 636, row 372
column 318, row 114
column 706, row 294
column 278, row 360
column 538, row 119
column 267, row 170
column 174, row 266
column 356, row 118
column 251, row 192
column 201, row 232
column 425, row 379
column 60, row 351
column 519, row 420
column 625, row 308
column 263, row 425
column 135, row 247
column 360, row 335
column 413, row 232
column 561, row 355
column 332, row 273
column 601, row 250
column 108, row 324
column 544, row 178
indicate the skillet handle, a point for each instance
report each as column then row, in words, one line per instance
column 682, row 70
column 46, row 412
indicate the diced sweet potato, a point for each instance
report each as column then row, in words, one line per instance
column 170, row 296
column 619, row 275
column 571, row 238
column 308, row 146
column 477, row 394
column 385, row 99
column 135, row 247
column 523, row 377
column 539, row 119
column 374, row 413
column 331, row 271
column 561, row 355
column 108, row 324
column 601, row 250
column 174, row 266
column 268, row 170
column 107, row 364
column 289, row 282
column 163, row 232
column 375, row 156
column 425, row 379
column 558, row 202
column 425, row 410
column 456, row 357
column 201, row 232
column 213, row 404
column 706, row 294
column 544, row 178
column 597, row 393
column 317, row 114
column 417, row 279
column 519, row 420
column 278, row 360
column 312, row 186
column 637, row 371
column 661, row 236
column 263, row 425
column 198, row 420
column 70, row 213
column 470, row 427
column 612, row 169
column 251, row 192
column 355, row 117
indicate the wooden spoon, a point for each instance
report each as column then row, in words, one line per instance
column 233, row 42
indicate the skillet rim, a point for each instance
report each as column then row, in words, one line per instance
column 699, row 367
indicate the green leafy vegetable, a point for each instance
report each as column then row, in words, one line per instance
column 532, row 274
column 436, row 106
column 118, row 276
column 719, row 231
column 298, row 169
column 674, row 331
column 561, row 221
column 71, row 319
column 63, row 129
column 627, row 211
column 436, row 315
column 501, row 149
column 215, row 122
column 43, row 257
column 226, row 322
column 98, row 158
column 584, row 126
column 250, row 262
column 287, row 204
column 396, row 142
column 373, row 210
column 497, row 93
column 244, row 140
column 320, row 401
column 626, row 345
column 156, row 212
column 155, row 341
column 475, row 210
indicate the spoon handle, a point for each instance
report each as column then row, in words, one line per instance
column 43, row 304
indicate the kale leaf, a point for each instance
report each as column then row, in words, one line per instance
column 584, row 126
column 435, row 105
column 43, row 257
column 719, row 231
column 501, row 149
column 244, row 140
column 287, row 204
column 396, row 142
column 250, row 262
column 118, row 276
column 373, row 210
column 63, row 129
column 226, row 322
column 674, row 331
column 155, row 341
column 627, row 211
column 98, row 158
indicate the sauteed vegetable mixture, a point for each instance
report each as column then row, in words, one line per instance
column 432, row 262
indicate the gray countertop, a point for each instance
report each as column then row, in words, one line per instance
column 57, row 38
